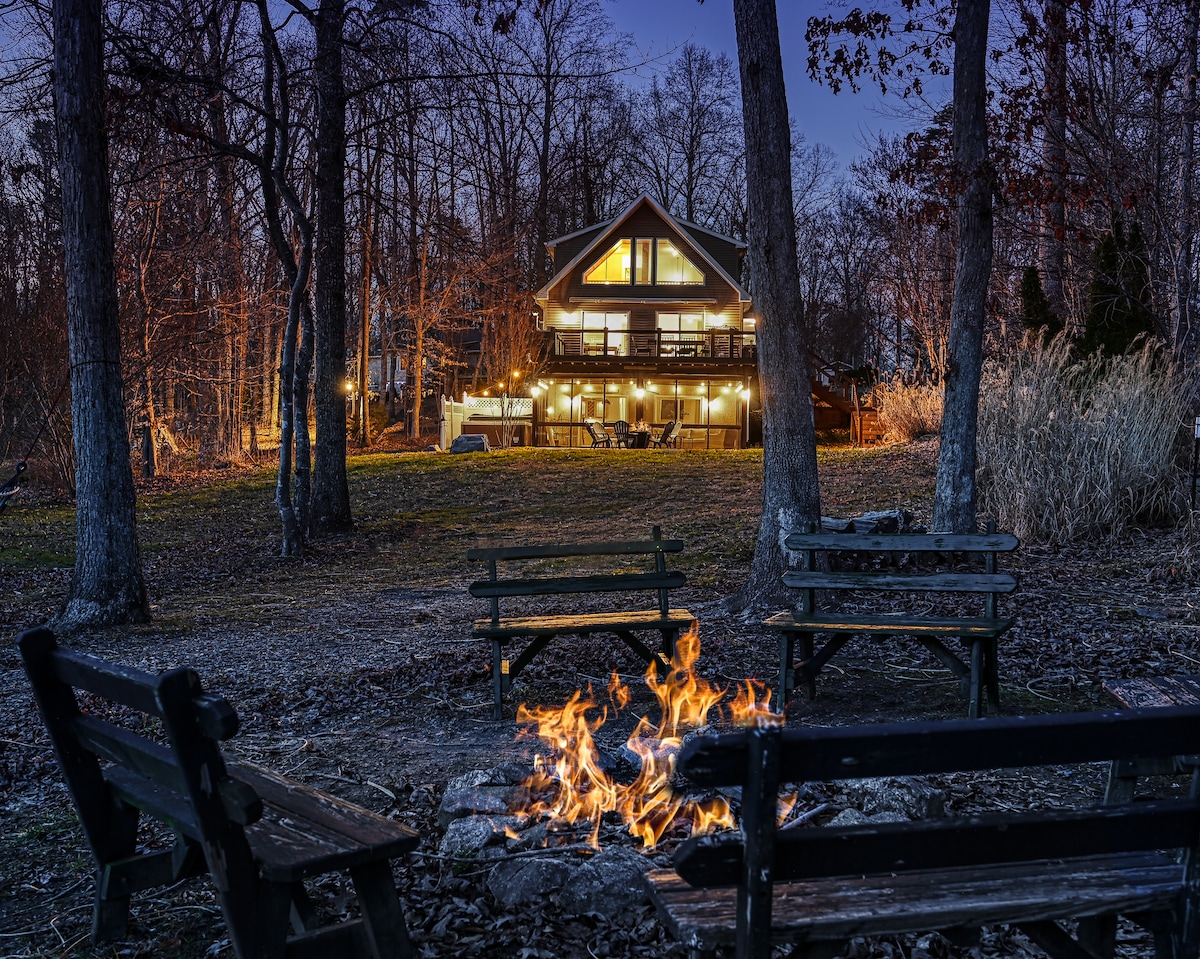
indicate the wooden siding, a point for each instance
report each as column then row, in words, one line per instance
column 725, row 253
column 565, row 252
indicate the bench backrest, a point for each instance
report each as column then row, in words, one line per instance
column 761, row 759
column 163, row 757
column 658, row 578
column 918, row 546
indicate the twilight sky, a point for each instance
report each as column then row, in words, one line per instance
column 840, row 122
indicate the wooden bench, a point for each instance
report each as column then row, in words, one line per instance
column 138, row 744
column 541, row 629
column 895, row 563
column 1144, row 693
column 821, row 886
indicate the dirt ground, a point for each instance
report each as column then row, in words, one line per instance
column 354, row 669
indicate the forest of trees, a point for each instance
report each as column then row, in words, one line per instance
column 475, row 131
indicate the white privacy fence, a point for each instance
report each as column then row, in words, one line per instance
column 492, row 416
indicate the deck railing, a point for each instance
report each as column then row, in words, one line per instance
column 711, row 344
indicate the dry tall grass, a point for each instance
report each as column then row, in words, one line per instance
column 1073, row 449
column 907, row 411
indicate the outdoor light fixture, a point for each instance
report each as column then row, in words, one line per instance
column 639, row 392
column 535, row 390
column 349, row 386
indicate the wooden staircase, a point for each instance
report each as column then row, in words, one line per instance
column 836, row 403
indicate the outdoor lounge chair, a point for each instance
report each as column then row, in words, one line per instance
column 670, row 435
column 599, row 436
column 621, row 433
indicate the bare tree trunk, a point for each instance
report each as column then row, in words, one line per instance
column 1052, row 239
column 330, row 490
column 1185, row 339
column 790, row 491
column 107, row 585
column 954, row 499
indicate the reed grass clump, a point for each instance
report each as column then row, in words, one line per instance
column 1073, row 449
column 907, row 411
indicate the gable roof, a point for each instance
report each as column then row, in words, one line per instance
column 606, row 230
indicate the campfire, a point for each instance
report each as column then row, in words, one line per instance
column 570, row 783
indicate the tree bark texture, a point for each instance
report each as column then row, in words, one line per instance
column 330, row 490
column 954, row 499
column 107, row 586
column 1184, row 337
column 1052, row 240
column 790, row 492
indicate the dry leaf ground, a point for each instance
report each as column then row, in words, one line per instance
column 353, row 668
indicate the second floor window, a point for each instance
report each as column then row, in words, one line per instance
column 642, row 261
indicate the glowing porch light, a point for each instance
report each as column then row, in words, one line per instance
column 535, row 390
column 639, row 392
column 349, row 386
column 746, row 395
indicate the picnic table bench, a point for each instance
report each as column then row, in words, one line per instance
column 821, row 886
column 540, row 576
column 861, row 569
column 142, row 745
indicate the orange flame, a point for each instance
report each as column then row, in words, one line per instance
column 580, row 791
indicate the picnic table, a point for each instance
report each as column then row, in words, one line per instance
column 1148, row 692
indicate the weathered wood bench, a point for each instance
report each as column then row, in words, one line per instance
column 1147, row 692
column 896, row 564
column 541, row 629
column 141, row 745
column 821, row 886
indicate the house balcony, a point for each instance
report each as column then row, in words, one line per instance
column 724, row 345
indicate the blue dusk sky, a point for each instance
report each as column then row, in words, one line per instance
column 842, row 122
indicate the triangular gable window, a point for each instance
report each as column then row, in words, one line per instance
column 614, row 267
column 674, row 267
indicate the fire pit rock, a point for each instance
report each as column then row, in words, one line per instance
column 518, row 881
column 608, row 884
column 911, row 797
column 473, row 837
column 491, row 792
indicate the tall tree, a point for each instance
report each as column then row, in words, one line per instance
column 791, row 495
column 331, row 490
column 954, row 498
column 107, row 585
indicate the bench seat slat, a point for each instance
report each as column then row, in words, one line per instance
column 165, row 805
column 304, row 832
column 562, row 550
column 125, row 748
column 947, row 843
column 920, row 901
column 513, row 626
column 918, row 582
column 905, row 542
column 601, row 583
column 823, row 622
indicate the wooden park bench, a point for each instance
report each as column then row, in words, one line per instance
column 861, row 569
column 821, row 886
column 540, row 576
column 141, row 745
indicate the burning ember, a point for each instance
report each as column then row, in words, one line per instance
column 576, row 789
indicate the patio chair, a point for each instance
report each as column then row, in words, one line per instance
column 621, row 433
column 670, row 434
column 661, row 440
column 599, row 436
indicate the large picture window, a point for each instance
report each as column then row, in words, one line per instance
column 613, row 268
column 642, row 261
